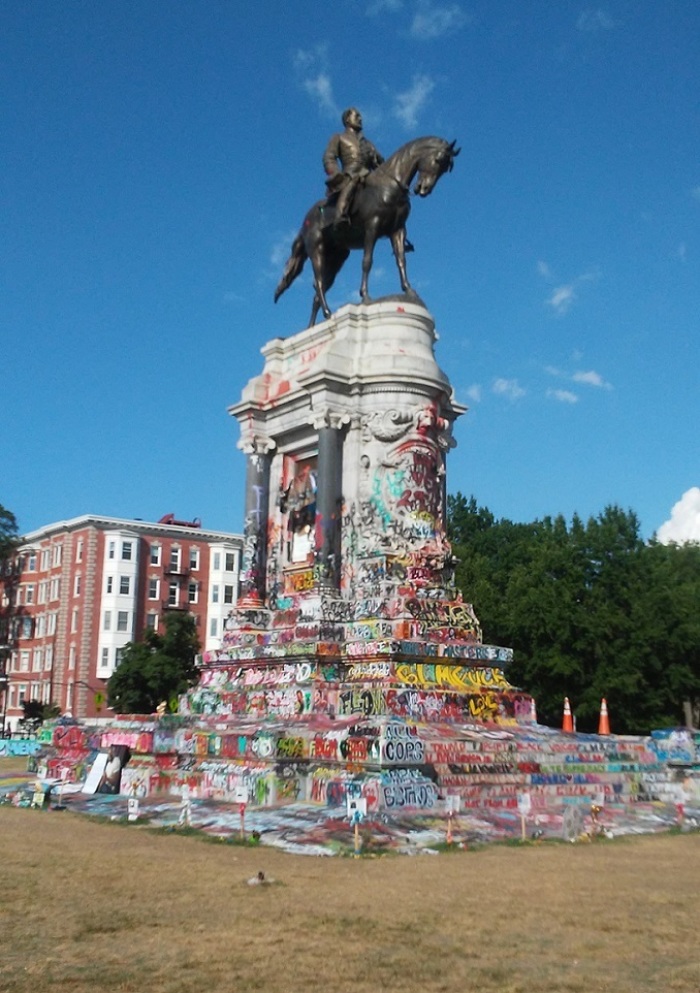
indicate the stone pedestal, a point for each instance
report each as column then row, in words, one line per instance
column 357, row 416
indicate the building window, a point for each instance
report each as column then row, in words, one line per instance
column 125, row 585
column 74, row 621
column 107, row 623
column 193, row 592
column 215, row 594
column 71, row 657
column 77, row 582
column 105, row 658
column 44, row 559
column 26, row 627
column 123, row 620
column 230, row 559
column 40, row 626
column 79, row 550
column 151, row 622
column 217, row 561
column 155, row 554
column 118, row 655
column 31, row 562
column 22, row 694
column 213, row 628
column 24, row 661
column 175, row 556
column 194, row 558
column 51, row 624
column 173, row 593
column 153, row 589
column 48, row 657
column 126, row 550
column 57, row 550
column 111, row 549
column 29, row 593
column 55, row 589
column 228, row 594
column 110, row 583
column 43, row 592
column 37, row 660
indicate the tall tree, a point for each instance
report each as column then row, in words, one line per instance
column 9, row 579
column 157, row 669
column 590, row 611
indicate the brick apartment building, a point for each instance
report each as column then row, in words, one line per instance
column 77, row 591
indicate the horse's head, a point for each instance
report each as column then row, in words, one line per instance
column 437, row 159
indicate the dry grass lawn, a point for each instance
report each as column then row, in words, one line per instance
column 91, row 906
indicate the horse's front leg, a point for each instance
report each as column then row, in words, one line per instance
column 398, row 243
column 315, row 307
column 368, row 255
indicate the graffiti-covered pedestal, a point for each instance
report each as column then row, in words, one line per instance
column 351, row 667
column 349, row 623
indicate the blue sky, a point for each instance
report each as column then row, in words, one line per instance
column 159, row 158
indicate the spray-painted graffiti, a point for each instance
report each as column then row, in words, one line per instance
column 408, row 788
column 402, row 744
column 368, row 670
column 454, row 676
column 18, row 746
column 449, row 621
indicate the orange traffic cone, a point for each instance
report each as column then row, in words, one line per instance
column 603, row 723
column 568, row 722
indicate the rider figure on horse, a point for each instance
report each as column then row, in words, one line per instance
column 357, row 156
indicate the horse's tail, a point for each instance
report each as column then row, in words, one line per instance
column 295, row 263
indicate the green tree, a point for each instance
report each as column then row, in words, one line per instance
column 9, row 580
column 8, row 533
column 590, row 610
column 156, row 669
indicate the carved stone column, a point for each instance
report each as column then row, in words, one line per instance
column 329, row 498
column 257, row 495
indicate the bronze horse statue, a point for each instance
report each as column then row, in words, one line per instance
column 380, row 209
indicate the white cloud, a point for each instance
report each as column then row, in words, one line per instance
column 509, row 388
column 563, row 396
column 320, row 89
column 474, row 393
column 684, row 523
column 595, row 20
column 591, row 378
column 312, row 68
column 410, row 103
column 435, row 20
column 562, row 298
column 279, row 253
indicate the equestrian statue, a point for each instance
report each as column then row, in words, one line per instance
column 368, row 199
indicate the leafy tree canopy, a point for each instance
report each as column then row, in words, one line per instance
column 590, row 610
column 8, row 533
column 156, row 669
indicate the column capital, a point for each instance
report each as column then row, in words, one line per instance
column 256, row 445
column 324, row 417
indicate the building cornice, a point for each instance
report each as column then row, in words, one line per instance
column 136, row 526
